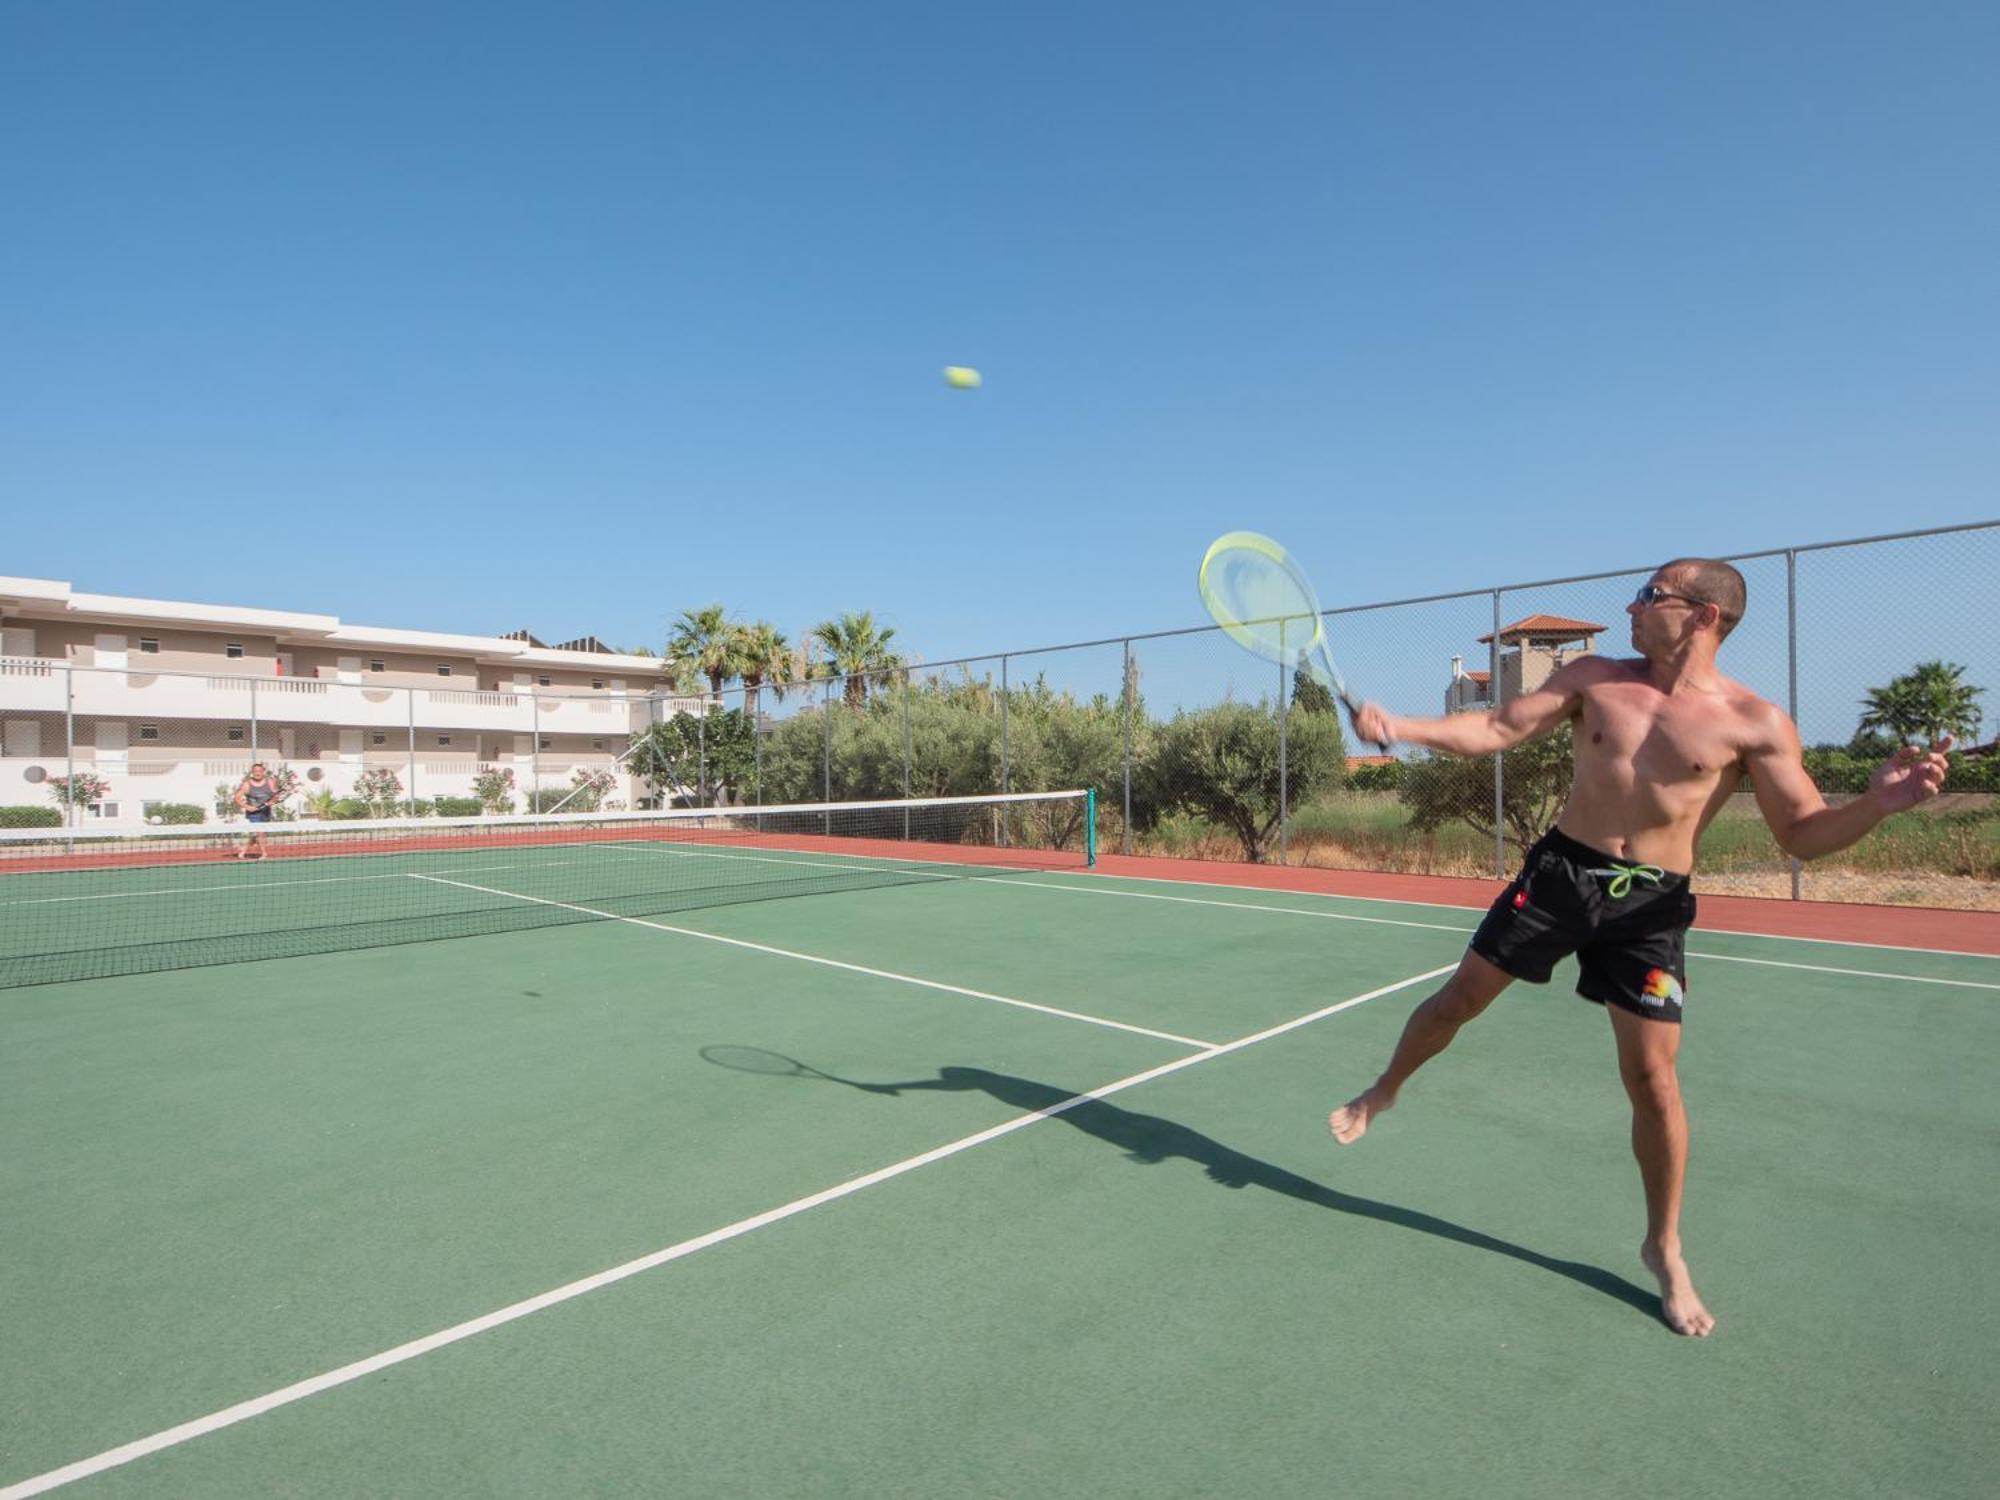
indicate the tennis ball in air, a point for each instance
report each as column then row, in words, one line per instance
column 961, row 377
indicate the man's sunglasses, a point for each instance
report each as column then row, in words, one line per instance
column 1652, row 593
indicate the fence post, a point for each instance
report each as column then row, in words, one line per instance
column 253, row 719
column 701, row 755
column 535, row 751
column 1792, row 669
column 904, row 675
column 412, row 794
column 69, row 753
column 1284, row 768
column 1496, row 688
column 1004, row 778
column 1125, row 831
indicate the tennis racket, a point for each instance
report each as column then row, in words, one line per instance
column 1262, row 598
column 777, row 1065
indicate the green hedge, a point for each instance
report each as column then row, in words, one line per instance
column 457, row 807
column 30, row 817
column 1840, row 770
column 173, row 812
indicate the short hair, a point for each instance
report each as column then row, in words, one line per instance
column 1713, row 581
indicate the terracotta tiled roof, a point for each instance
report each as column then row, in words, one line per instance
column 1546, row 625
column 1478, row 676
column 1370, row 760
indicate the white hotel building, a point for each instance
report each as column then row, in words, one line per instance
column 164, row 700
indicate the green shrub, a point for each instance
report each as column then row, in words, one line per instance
column 30, row 817
column 349, row 808
column 457, row 807
column 1380, row 778
column 173, row 812
column 549, row 798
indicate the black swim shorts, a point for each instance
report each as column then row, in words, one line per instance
column 1625, row 922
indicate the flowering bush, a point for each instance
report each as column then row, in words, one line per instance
column 80, row 790
column 494, row 788
column 380, row 788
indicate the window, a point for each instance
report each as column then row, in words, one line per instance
column 104, row 809
column 234, row 651
column 546, row 743
column 444, row 669
column 444, row 739
column 378, row 739
column 597, row 744
column 149, row 731
column 235, row 734
column 543, row 680
column 375, row 665
column 597, row 683
column 149, row 645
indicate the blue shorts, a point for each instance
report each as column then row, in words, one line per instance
column 259, row 815
column 1625, row 922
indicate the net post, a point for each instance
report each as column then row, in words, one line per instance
column 1090, row 828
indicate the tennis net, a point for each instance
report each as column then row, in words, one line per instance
column 85, row 904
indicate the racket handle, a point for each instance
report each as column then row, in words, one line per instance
column 1354, row 713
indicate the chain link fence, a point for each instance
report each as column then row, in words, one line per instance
column 1196, row 749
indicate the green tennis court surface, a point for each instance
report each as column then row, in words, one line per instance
column 221, row 1182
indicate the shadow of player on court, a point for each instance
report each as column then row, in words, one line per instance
column 1149, row 1140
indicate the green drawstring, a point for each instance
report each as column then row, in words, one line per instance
column 1621, row 877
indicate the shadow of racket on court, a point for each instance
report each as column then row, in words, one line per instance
column 1149, row 1140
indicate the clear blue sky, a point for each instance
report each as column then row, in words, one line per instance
column 481, row 316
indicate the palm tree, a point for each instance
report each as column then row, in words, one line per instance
column 1924, row 704
column 855, row 647
column 764, row 659
column 704, row 641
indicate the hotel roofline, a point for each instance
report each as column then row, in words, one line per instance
column 53, row 599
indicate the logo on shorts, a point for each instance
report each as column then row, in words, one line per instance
column 1520, row 899
column 1660, row 990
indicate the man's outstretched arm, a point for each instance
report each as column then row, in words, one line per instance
column 1516, row 721
column 1798, row 816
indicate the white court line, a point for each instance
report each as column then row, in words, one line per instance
column 831, row 963
column 1772, row 963
column 1774, row 937
column 113, row 1458
column 258, row 887
column 1293, row 911
column 1441, row 927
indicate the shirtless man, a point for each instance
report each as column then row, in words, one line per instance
column 1661, row 743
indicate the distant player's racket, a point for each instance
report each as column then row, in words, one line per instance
column 777, row 1065
column 1263, row 599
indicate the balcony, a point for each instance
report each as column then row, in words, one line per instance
column 30, row 685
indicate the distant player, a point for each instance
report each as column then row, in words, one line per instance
column 255, row 794
column 1661, row 743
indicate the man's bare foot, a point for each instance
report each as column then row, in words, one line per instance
column 1349, row 1121
column 1678, row 1303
